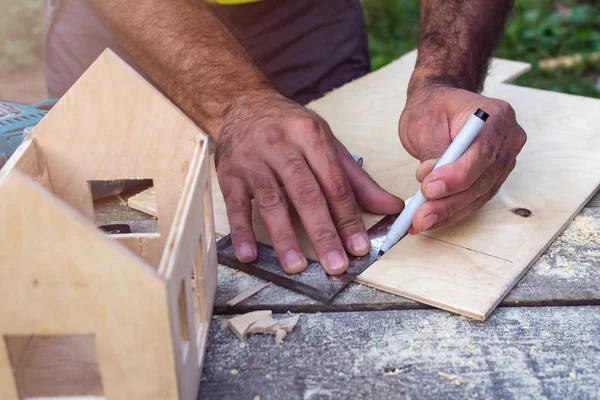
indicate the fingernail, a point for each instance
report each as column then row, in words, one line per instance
column 335, row 261
column 435, row 189
column 245, row 252
column 359, row 243
column 429, row 221
column 294, row 262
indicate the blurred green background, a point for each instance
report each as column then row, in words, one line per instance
column 538, row 30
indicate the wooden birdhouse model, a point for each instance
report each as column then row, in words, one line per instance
column 86, row 313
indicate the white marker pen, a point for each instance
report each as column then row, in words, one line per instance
column 459, row 145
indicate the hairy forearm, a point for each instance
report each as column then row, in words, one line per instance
column 457, row 38
column 188, row 53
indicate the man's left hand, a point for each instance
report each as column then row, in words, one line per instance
column 432, row 118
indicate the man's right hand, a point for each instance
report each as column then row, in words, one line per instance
column 267, row 141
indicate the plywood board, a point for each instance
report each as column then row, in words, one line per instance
column 555, row 175
column 120, row 128
column 55, row 271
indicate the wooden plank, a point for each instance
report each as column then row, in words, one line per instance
column 547, row 283
column 55, row 270
column 560, row 157
column 144, row 201
column 191, row 252
column 548, row 352
column 96, row 132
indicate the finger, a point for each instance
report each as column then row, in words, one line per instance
column 239, row 215
column 445, row 209
column 476, row 205
column 425, row 168
column 368, row 193
column 273, row 208
column 307, row 197
column 460, row 175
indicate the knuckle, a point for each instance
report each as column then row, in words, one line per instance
column 338, row 187
column 488, row 151
column 273, row 136
column 236, row 204
column 283, row 236
column 521, row 139
column 307, row 125
column 325, row 237
column 451, row 208
column 297, row 167
column 308, row 194
column 485, row 184
column 269, row 200
column 350, row 220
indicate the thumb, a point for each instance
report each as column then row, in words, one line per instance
column 368, row 193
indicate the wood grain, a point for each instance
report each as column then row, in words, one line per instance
column 555, row 176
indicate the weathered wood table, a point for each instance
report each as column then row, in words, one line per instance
column 542, row 342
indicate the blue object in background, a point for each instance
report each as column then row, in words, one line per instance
column 14, row 118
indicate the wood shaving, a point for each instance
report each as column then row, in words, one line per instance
column 572, row 375
column 234, row 372
column 279, row 335
column 261, row 322
column 247, row 294
column 561, row 261
column 394, row 372
column 455, row 379
column 288, row 324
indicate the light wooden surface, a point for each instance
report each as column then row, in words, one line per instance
column 65, row 277
column 191, row 252
column 119, row 310
column 567, row 274
column 112, row 124
column 555, row 175
column 144, row 201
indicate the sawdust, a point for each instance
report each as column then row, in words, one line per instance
column 582, row 230
column 572, row 375
column 256, row 398
column 234, row 372
column 455, row 379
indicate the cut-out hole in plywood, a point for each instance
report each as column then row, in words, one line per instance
column 112, row 211
column 184, row 324
column 52, row 366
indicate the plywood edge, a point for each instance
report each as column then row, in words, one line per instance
column 30, row 161
column 26, row 186
column 390, row 289
column 167, row 263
